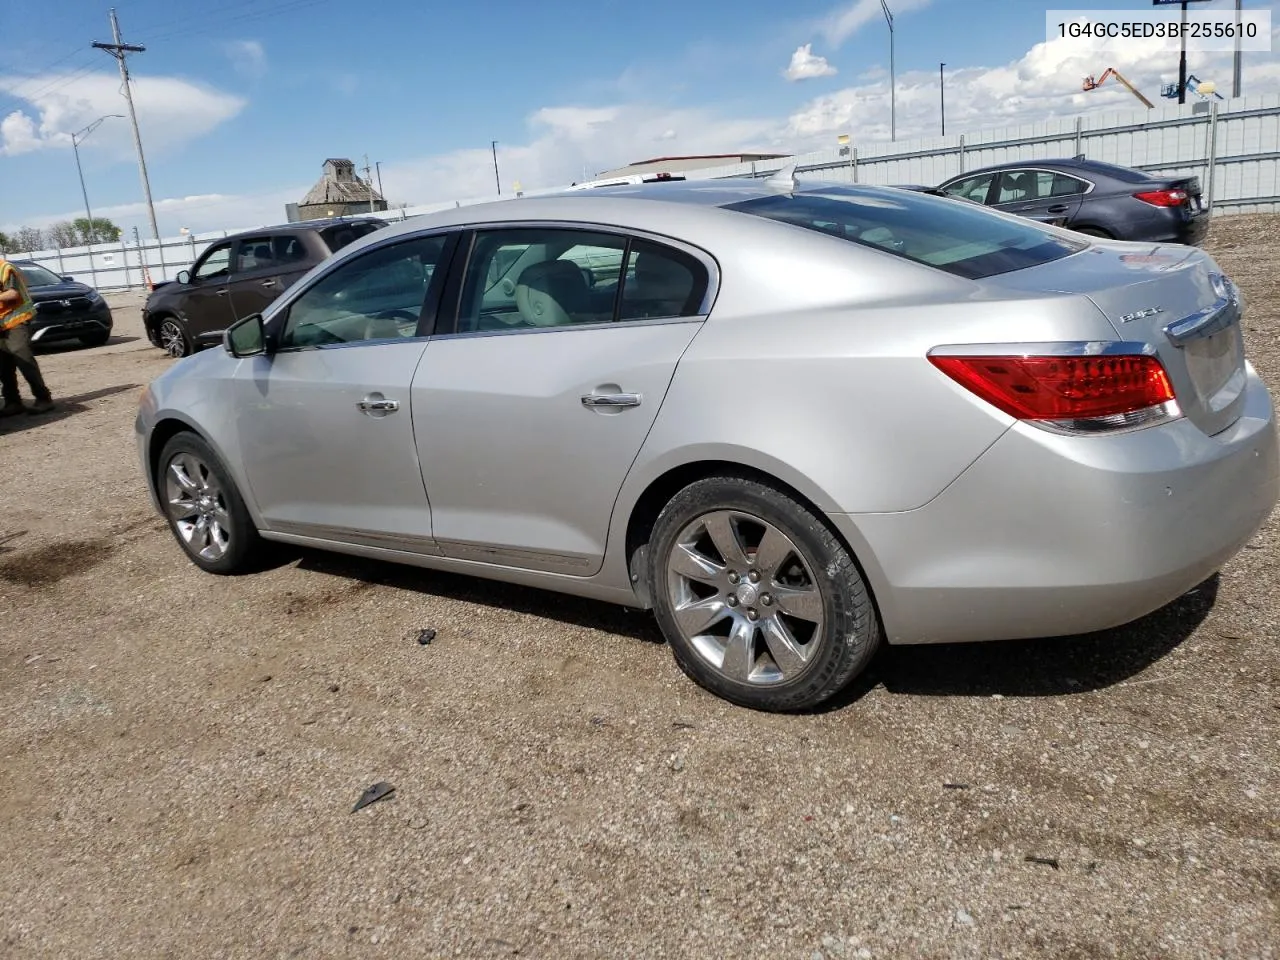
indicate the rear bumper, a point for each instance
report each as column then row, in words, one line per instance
column 1046, row 535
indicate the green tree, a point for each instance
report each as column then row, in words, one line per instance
column 5, row 244
column 63, row 234
column 101, row 230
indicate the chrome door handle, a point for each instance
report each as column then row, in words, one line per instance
column 378, row 406
column 611, row 400
column 223, row 292
column 268, row 283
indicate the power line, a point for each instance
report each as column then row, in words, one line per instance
column 121, row 51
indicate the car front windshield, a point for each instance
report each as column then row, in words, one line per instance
column 38, row 276
column 959, row 238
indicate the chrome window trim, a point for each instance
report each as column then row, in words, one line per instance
column 708, row 261
column 567, row 327
column 1089, row 184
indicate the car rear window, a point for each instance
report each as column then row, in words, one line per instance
column 337, row 237
column 951, row 235
column 1123, row 174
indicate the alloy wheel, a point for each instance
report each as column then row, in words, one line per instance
column 197, row 506
column 745, row 598
column 172, row 339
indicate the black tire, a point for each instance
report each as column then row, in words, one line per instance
column 1095, row 232
column 244, row 547
column 850, row 633
column 174, row 338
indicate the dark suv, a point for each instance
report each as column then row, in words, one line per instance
column 240, row 276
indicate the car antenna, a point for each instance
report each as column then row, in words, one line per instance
column 784, row 179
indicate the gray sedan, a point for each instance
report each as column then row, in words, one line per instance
column 795, row 420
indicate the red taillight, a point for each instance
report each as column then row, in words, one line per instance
column 1163, row 198
column 1062, row 388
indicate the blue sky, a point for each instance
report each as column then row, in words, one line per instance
column 239, row 108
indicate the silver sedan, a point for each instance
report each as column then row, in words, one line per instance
column 794, row 419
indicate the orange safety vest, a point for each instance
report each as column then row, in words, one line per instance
column 11, row 279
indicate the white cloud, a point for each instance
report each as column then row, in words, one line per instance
column 666, row 135
column 1044, row 82
column 171, row 112
column 247, row 57
column 844, row 22
column 806, row 65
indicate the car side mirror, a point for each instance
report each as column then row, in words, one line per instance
column 69, row 279
column 246, row 338
column 184, row 276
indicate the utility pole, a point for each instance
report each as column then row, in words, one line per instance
column 942, row 97
column 494, row 146
column 1182, row 60
column 377, row 165
column 121, row 51
column 368, row 179
column 1235, row 65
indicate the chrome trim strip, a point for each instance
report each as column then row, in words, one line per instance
column 1059, row 348
column 365, row 538
column 1218, row 316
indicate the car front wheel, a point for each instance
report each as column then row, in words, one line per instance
column 206, row 514
column 761, row 602
column 173, row 338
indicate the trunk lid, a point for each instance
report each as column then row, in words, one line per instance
column 1172, row 297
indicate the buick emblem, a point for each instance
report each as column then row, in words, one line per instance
column 1141, row 314
column 66, row 304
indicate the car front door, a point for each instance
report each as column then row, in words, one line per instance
column 530, row 412
column 205, row 306
column 325, row 428
column 976, row 188
column 1040, row 195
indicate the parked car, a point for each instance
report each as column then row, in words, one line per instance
column 65, row 308
column 798, row 420
column 1097, row 199
column 240, row 276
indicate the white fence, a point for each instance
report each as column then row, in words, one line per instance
column 1232, row 145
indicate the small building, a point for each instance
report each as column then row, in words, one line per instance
column 339, row 193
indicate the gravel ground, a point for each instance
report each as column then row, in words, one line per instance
column 181, row 752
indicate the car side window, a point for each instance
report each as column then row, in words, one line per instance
column 288, row 249
column 972, row 188
column 217, row 262
column 1065, row 186
column 377, row 295
column 661, row 282
column 254, row 253
column 530, row 278
column 1020, row 185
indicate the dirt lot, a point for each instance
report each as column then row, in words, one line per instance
column 181, row 753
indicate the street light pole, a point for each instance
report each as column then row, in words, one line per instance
column 75, row 148
column 893, row 111
column 1235, row 60
column 494, row 146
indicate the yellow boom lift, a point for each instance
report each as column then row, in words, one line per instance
column 1091, row 84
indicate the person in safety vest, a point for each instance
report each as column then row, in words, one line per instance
column 16, row 353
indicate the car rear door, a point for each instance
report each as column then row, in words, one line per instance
column 326, row 432
column 263, row 268
column 530, row 412
column 1042, row 195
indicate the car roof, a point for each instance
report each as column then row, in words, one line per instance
column 1084, row 166
column 303, row 226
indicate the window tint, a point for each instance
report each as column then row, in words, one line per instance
column 343, row 234
column 972, row 188
column 955, row 237
column 216, row 263
column 661, row 282
column 288, row 249
column 376, row 296
column 531, row 278
column 254, row 253
column 1022, row 185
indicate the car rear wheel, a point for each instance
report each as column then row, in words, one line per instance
column 760, row 601
column 173, row 338
column 206, row 514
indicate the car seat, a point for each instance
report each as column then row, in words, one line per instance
column 553, row 293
